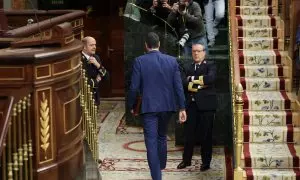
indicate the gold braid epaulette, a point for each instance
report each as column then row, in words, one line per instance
column 198, row 80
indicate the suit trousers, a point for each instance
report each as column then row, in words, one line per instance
column 202, row 121
column 155, row 133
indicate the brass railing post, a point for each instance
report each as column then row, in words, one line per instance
column 20, row 144
column 30, row 152
column 25, row 146
column 95, row 132
column 89, row 115
column 3, row 163
column 14, row 143
column 238, row 172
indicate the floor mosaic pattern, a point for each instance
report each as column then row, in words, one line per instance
column 123, row 152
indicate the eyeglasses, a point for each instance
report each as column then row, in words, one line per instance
column 199, row 50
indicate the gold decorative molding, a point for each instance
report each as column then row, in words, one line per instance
column 45, row 124
column 67, row 131
column 76, row 61
column 61, row 67
column 39, row 69
column 42, row 96
column 69, row 39
column 81, row 34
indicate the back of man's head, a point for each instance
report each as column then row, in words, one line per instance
column 152, row 40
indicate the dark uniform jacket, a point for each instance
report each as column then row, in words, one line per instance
column 91, row 71
column 202, row 88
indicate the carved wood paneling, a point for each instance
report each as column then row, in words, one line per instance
column 43, row 71
column 12, row 73
column 51, row 74
column 57, row 68
column 72, row 119
column 62, row 67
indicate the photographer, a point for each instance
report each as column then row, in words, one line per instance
column 186, row 15
column 162, row 8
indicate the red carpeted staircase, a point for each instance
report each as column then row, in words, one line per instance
column 271, row 131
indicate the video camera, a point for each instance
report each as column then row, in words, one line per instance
column 185, row 37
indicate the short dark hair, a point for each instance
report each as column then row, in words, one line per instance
column 152, row 40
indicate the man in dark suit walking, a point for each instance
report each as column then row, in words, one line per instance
column 201, row 106
column 157, row 77
column 95, row 70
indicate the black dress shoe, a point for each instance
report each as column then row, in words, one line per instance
column 183, row 165
column 204, row 168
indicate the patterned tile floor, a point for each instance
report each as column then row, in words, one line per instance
column 123, row 152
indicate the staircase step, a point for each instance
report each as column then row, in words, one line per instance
column 262, row 57
column 271, row 155
column 215, row 57
column 264, row 71
column 258, row 21
column 271, row 118
column 260, row 43
column 219, row 49
column 271, row 134
column 265, row 84
column 256, row 3
column 259, row 32
column 256, row 10
column 267, row 100
column 268, row 174
column 222, row 37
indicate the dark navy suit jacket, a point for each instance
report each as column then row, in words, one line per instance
column 157, row 77
column 206, row 99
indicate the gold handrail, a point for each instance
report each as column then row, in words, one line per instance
column 17, row 157
column 89, row 115
column 237, row 91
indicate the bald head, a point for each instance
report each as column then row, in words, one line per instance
column 89, row 45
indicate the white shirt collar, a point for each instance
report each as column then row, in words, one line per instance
column 86, row 56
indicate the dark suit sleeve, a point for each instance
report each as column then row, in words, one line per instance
column 177, row 83
column 211, row 75
column 135, row 84
column 184, row 75
column 102, row 70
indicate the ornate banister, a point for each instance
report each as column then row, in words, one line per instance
column 89, row 116
column 45, row 134
column 238, row 131
column 237, row 91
